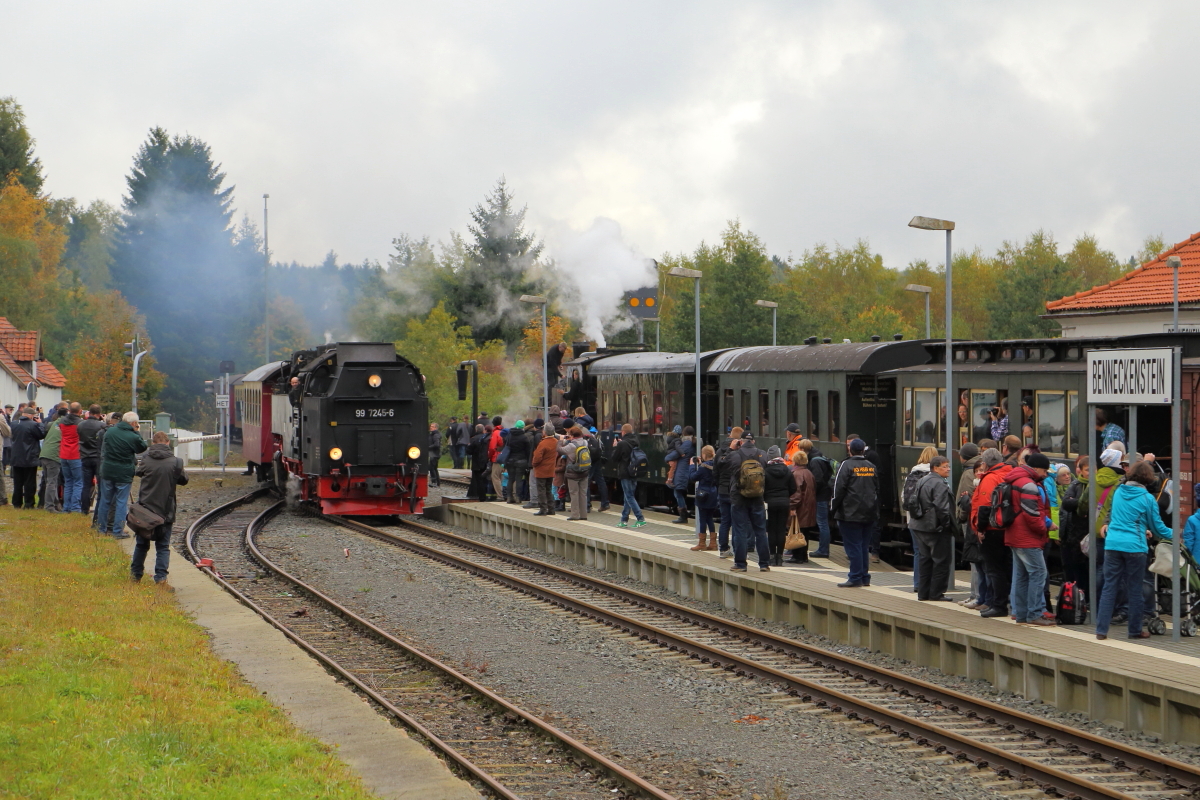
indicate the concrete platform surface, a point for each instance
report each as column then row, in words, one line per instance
column 390, row 763
column 1152, row 686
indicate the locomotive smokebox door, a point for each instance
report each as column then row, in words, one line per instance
column 376, row 486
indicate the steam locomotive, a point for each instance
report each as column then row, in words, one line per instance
column 344, row 426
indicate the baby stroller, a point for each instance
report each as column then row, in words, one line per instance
column 1189, row 594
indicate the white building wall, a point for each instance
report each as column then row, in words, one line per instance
column 11, row 390
column 1127, row 324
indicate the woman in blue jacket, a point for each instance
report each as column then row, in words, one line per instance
column 1134, row 512
column 682, row 452
column 706, row 497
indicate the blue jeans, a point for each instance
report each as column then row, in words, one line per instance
column 823, row 527
column 681, row 501
column 707, row 519
column 629, row 492
column 726, row 522
column 1029, row 583
column 856, row 540
column 113, row 495
column 1122, row 601
column 72, row 477
column 1122, row 571
column 601, row 483
column 750, row 520
column 458, row 454
column 916, row 559
column 162, row 554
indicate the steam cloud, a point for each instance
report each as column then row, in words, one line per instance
column 600, row 267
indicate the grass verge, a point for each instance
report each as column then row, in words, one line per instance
column 108, row 690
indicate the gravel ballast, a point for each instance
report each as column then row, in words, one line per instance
column 694, row 733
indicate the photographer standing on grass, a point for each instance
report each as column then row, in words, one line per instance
column 160, row 472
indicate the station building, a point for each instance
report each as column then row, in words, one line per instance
column 1138, row 302
column 22, row 362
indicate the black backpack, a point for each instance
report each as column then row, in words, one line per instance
column 1072, row 605
column 639, row 466
column 1002, row 509
column 912, row 497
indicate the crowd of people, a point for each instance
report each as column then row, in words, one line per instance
column 750, row 500
column 71, row 461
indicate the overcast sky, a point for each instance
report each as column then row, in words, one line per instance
column 809, row 121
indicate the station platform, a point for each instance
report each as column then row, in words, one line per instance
column 1151, row 685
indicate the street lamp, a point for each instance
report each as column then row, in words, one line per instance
column 541, row 301
column 925, row 290
column 1174, row 263
column 774, row 318
column 931, row 224
column 683, row 272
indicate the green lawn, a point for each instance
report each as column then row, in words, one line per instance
column 107, row 690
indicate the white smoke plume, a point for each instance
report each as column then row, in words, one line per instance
column 601, row 267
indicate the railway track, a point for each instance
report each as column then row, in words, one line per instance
column 502, row 747
column 893, row 708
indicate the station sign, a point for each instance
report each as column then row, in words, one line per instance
column 1131, row 377
column 222, row 401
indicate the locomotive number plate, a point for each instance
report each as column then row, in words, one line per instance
column 374, row 413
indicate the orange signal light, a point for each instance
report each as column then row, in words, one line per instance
column 649, row 301
column 635, row 302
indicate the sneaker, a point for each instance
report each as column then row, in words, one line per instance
column 622, row 524
column 736, row 568
column 818, row 554
column 874, row 558
column 121, row 535
column 764, row 569
column 1043, row 622
column 725, row 554
column 604, row 507
column 641, row 523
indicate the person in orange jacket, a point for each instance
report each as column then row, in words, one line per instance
column 997, row 561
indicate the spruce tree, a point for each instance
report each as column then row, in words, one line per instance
column 16, row 147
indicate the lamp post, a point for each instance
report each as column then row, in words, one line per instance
column 931, row 224
column 925, row 290
column 774, row 318
column 541, row 301
column 266, row 286
column 1174, row 263
column 683, row 272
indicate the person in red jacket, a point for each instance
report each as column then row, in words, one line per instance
column 495, row 446
column 68, row 455
column 997, row 561
column 1026, row 536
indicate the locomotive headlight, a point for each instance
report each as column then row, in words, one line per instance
column 414, row 452
column 374, row 381
column 335, row 453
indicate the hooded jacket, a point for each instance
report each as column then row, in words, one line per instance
column 937, row 505
column 1107, row 480
column 26, row 434
column 966, row 481
column 721, row 468
column 68, row 450
column 89, row 437
column 519, row 450
column 822, row 471
column 1073, row 512
column 119, row 459
column 682, row 453
column 160, row 472
column 544, row 457
column 779, row 484
column 1031, row 524
column 733, row 463
column 706, row 485
column 435, row 444
column 53, row 441
column 1134, row 511
column 804, row 500
column 856, row 491
column 982, row 498
column 622, row 454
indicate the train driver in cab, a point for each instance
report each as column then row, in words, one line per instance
column 294, row 391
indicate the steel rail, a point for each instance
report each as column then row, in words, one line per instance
column 1175, row 774
column 631, row 780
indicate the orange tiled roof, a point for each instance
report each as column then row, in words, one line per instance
column 13, row 368
column 48, row 375
column 1151, row 284
column 23, row 345
column 5, row 325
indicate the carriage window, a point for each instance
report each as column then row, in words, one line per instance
column 1076, row 422
column 941, row 417
column 924, row 416
column 793, row 407
column 729, row 423
column 764, row 412
column 907, row 423
column 662, row 419
column 835, row 416
column 1027, row 409
column 1052, row 422
column 812, row 399
column 982, row 404
column 631, row 410
column 648, row 419
column 778, row 413
column 674, row 411
column 745, row 420
column 605, row 410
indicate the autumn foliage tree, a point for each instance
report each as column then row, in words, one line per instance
column 99, row 371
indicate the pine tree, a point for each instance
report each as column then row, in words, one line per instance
column 16, row 147
column 176, row 260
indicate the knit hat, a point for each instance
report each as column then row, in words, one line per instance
column 1110, row 457
column 1037, row 461
column 991, row 457
column 773, row 451
column 677, row 430
column 968, row 451
column 519, row 424
column 857, row 446
column 539, row 423
column 1117, row 445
